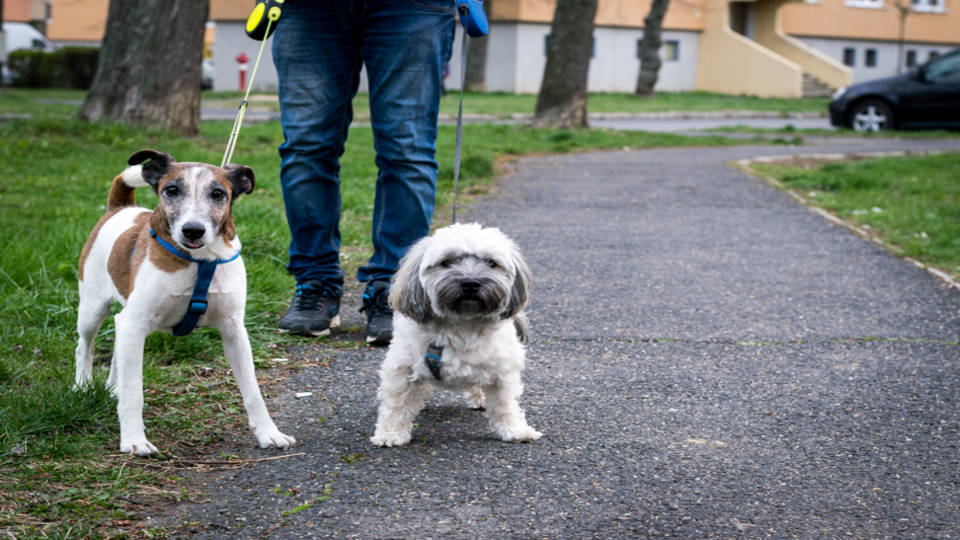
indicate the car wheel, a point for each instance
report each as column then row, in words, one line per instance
column 871, row 115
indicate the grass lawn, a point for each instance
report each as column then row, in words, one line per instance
column 60, row 474
column 911, row 203
column 501, row 105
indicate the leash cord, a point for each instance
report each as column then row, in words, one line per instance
column 238, row 121
column 458, row 145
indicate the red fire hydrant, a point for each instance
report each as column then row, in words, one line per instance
column 242, row 60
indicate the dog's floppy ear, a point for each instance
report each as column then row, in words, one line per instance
column 154, row 169
column 406, row 293
column 521, row 284
column 241, row 178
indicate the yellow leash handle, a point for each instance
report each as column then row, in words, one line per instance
column 264, row 13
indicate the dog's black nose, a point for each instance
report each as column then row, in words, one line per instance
column 193, row 230
column 470, row 286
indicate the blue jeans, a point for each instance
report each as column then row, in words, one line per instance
column 318, row 49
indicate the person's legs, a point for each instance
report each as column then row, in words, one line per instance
column 406, row 46
column 317, row 56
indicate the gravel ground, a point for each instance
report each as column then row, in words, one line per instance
column 708, row 359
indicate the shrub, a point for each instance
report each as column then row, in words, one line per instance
column 69, row 67
column 30, row 68
column 79, row 65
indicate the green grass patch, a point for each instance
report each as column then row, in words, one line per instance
column 503, row 105
column 912, row 203
column 60, row 473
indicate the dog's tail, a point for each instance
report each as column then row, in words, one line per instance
column 121, row 191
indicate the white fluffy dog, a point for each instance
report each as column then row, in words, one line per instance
column 458, row 296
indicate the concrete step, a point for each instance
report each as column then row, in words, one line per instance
column 814, row 87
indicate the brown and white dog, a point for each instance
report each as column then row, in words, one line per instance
column 121, row 261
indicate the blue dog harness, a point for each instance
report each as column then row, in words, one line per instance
column 432, row 359
column 198, row 300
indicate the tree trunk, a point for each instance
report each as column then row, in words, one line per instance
column 3, row 42
column 650, row 48
column 149, row 71
column 562, row 101
column 476, row 77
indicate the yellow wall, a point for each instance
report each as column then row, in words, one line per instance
column 833, row 18
column 84, row 20
column 733, row 64
column 685, row 15
column 768, row 32
column 77, row 20
column 21, row 11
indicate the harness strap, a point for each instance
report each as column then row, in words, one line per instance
column 432, row 359
column 198, row 300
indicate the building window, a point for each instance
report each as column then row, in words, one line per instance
column 911, row 58
column 930, row 6
column 870, row 58
column 849, row 56
column 671, row 50
column 933, row 54
column 871, row 4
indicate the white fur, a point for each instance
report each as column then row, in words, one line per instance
column 158, row 302
column 133, row 176
column 482, row 353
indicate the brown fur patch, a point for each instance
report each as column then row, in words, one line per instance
column 85, row 252
column 121, row 266
column 121, row 195
column 160, row 257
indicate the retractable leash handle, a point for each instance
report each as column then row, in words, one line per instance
column 472, row 17
column 263, row 19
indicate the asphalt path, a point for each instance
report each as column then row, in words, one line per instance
column 708, row 359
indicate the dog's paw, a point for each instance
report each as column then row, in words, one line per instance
column 140, row 447
column 390, row 439
column 475, row 398
column 524, row 434
column 275, row 439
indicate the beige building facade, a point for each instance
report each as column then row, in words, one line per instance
column 757, row 47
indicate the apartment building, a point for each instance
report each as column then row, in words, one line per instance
column 758, row 47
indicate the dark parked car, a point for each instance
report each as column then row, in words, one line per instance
column 926, row 97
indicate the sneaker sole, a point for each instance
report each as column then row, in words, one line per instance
column 305, row 332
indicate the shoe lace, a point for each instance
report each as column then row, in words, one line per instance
column 377, row 304
column 309, row 297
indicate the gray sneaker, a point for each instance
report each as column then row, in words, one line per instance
column 379, row 315
column 313, row 311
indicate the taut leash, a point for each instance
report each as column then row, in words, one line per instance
column 261, row 22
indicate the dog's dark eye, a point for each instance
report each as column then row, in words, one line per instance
column 491, row 263
column 171, row 191
column 446, row 263
column 218, row 194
